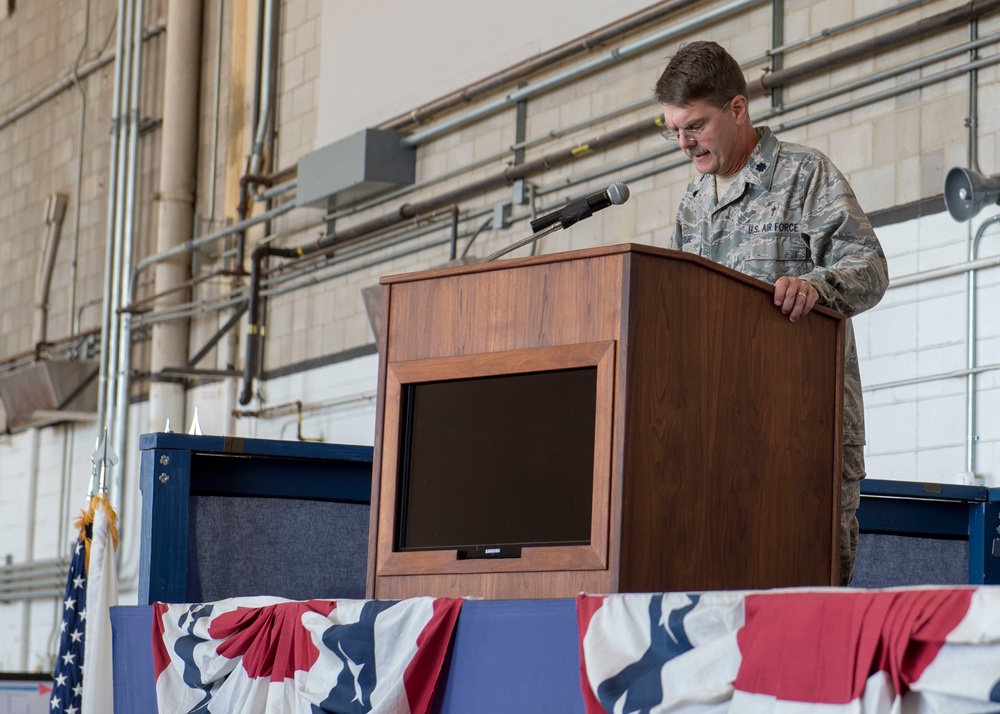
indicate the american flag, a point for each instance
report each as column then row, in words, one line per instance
column 268, row 655
column 825, row 651
column 67, row 682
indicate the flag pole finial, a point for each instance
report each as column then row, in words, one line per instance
column 103, row 458
column 195, row 429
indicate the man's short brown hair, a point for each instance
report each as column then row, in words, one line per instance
column 700, row 71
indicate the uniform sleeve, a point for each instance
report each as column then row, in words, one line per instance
column 851, row 273
column 676, row 240
column 687, row 219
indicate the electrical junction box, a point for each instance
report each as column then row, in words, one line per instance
column 355, row 168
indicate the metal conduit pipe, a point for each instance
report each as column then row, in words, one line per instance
column 828, row 32
column 600, row 118
column 42, row 592
column 591, row 121
column 971, row 335
column 970, row 268
column 255, row 328
column 44, row 578
column 41, row 589
column 189, row 247
column 486, row 161
column 78, row 188
column 69, row 442
column 842, row 108
column 408, row 211
column 237, row 298
column 606, row 60
column 401, row 122
column 213, row 180
column 366, row 250
column 937, row 377
column 825, row 114
column 368, row 204
column 112, row 217
column 505, row 178
column 972, row 120
column 124, row 187
column 344, row 252
column 511, row 174
column 767, row 82
column 275, row 191
column 51, row 585
column 268, row 40
column 192, row 245
column 85, row 70
column 118, row 231
column 636, row 129
column 535, row 64
column 945, row 272
column 10, row 577
column 868, row 80
column 896, row 91
column 10, row 572
column 30, row 508
column 66, row 347
column 124, row 184
column 385, row 223
column 894, row 38
column 55, row 212
column 597, row 38
column 850, row 106
column 888, row 74
column 117, row 431
column 177, row 183
column 234, row 299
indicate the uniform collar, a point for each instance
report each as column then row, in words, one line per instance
column 758, row 170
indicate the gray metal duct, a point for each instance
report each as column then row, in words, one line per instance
column 50, row 392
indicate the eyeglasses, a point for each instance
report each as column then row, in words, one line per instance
column 691, row 134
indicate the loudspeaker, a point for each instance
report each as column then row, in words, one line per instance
column 966, row 193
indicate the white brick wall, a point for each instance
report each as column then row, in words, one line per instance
column 919, row 432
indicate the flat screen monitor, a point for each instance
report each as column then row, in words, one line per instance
column 497, row 462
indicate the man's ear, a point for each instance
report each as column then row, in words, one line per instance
column 740, row 108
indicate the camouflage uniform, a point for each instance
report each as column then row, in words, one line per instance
column 791, row 212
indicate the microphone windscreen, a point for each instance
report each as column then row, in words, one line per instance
column 618, row 193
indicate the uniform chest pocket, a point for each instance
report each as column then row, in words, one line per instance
column 777, row 247
column 772, row 255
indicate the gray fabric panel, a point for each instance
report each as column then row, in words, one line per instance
column 293, row 548
column 892, row 561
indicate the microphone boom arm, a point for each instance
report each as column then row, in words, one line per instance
column 615, row 195
column 556, row 225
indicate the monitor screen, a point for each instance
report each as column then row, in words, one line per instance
column 497, row 461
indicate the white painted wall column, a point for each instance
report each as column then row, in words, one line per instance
column 176, row 196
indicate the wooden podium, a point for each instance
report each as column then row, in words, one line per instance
column 717, row 425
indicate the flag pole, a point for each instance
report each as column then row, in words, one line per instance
column 102, row 585
column 70, row 678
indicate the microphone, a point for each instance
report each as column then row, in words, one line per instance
column 615, row 195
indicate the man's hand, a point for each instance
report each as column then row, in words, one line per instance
column 795, row 297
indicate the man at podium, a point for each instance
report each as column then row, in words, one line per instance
column 779, row 212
